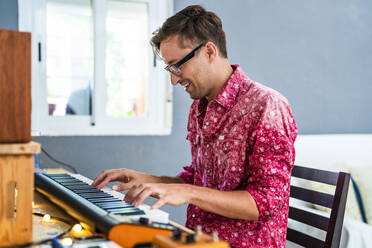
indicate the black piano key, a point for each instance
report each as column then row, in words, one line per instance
column 58, row 175
column 76, row 183
column 87, row 195
column 79, row 187
column 126, row 211
column 113, row 205
column 137, row 212
column 112, row 208
column 79, row 191
column 66, row 180
column 110, row 203
column 108, row 199
column 94, row 197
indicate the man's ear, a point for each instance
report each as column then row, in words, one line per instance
column 212, row 51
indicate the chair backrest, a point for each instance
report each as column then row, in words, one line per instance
column 332, row 225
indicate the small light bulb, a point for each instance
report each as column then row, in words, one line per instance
column 66, row 242
column 46, row 218
column 77, row 228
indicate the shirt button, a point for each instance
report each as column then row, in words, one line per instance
column 207, row 145
column 225, row 148
column 270, row 215
column 279, row 206
column 209, row 171
column 207, row 123
column 193, row 215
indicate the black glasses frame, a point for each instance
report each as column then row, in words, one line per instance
column 175, row 68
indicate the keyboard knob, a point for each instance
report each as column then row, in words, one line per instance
column 144, row 221
column 190, row 238
column 176, row 234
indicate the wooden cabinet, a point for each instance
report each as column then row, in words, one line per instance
column 15, row 86
column 16, row 192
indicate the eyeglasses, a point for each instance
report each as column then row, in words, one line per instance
column 175, row 68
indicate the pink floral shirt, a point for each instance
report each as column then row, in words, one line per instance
column 243, row 139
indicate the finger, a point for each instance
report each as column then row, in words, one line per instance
column 110, row 177
column 158, row 204
column 122, row 186
column 146, row 192
column 131, row 195
column 100, row 178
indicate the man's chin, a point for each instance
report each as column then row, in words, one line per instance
column 194, row 97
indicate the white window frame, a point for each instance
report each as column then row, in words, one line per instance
column 32, row 18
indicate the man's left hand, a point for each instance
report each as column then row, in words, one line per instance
column 172, row 194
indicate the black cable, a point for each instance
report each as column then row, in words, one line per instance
column 59, row 162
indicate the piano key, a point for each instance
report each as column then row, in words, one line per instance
column 109, row 199
column 91, row 194
column 79, row 191
column 110, row 204
column 94, row 196
column 73, row 182
column 112, row 208
column 125, row 211
column 59, row 175
column 79, row 187
column 66, row 180
column 135, row 213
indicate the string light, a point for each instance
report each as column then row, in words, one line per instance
column 46, row 218
column 77, row 228
column 66, row 242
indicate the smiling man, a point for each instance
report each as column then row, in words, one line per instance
column 241, row 135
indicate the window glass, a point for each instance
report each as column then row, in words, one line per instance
column 69, row 57
column 127, row 45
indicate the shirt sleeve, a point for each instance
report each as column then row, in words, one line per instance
column 271, row 159
column 187, row 174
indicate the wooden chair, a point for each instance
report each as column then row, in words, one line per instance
column 332, row 225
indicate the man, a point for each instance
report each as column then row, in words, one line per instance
column 241, row 136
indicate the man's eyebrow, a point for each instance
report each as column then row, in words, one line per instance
column 171, row 62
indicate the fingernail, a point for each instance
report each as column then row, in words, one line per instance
column 115, row 187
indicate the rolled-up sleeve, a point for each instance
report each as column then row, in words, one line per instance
column 271, row 161
column 187, row 174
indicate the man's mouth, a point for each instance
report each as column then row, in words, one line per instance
column 186, row 85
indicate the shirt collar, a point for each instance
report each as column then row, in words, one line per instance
column 228, row 94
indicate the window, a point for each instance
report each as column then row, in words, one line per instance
column 94, row 72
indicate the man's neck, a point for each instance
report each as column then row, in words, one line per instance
column 221, row 75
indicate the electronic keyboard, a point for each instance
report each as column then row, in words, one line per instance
column 103, row 209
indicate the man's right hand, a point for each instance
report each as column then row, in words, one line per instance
column 129, row 178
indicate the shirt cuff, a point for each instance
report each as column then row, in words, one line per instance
column 267, row 208
column 187, row 175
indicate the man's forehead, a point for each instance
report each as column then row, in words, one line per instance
column 172, row 49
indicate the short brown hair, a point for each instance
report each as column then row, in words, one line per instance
column 194, row 25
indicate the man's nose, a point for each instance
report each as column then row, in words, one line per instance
column 174, row 79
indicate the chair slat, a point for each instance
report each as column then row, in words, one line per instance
column 309, row 218
column 303, row 239
column 317, row 175
column 337, row 202
column 312, row 196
